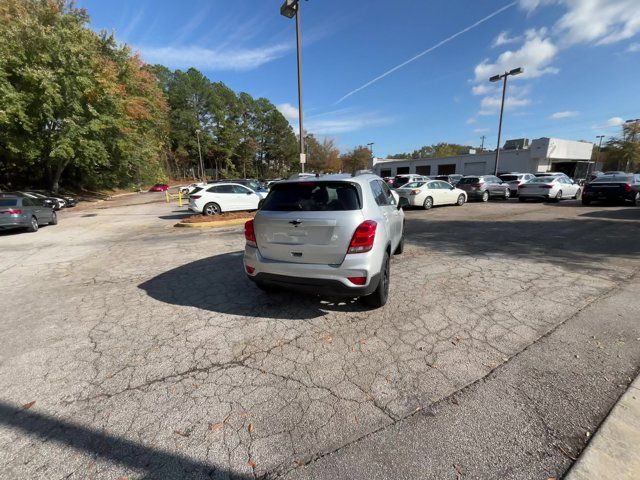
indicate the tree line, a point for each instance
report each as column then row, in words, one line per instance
column 81, row 110
column 435, row 150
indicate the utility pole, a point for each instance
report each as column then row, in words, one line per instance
column 482, row 144
column 496, row 78
column 599, row 137
column 200, row 155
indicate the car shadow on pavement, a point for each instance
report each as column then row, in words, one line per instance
column 156, row 463
column 619, row 214
column 219, row 284
column 577, row 243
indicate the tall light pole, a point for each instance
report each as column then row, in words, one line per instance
column 200, row 155
column 290, row 9
column 482, row 144
column 496, row 78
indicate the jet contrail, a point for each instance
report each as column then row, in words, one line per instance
column 431, row 49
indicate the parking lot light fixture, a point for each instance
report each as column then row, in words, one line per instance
column 290, row 9
column 497, row 78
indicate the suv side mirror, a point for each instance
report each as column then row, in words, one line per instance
column 402, row 203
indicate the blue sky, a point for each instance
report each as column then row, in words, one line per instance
column 581, row 61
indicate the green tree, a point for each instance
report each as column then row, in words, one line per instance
column 357, row 159
column 623, row 153
column 73, row 102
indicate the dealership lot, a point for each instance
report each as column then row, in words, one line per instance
column 149, row 354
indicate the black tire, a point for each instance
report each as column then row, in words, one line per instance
column 211, row 208
column 485, row 196
column 635, row 201
column 578, row 194
column 428, row 203
column 558, row 196
column 33, row 225
column 54, row 218
column 461, row 200
column 400, row 247
column 507, row 194
column 586, row 201
column 381, row 294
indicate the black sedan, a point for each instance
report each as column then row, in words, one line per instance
column 623, row 188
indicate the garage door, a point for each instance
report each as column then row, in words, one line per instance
column 475, row 168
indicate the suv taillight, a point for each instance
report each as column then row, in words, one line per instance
column 12, row 211
column 250, row 234
column 363, row 237
column 627, row 187
column 195, row 197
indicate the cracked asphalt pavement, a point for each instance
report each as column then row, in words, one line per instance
column 132, row 349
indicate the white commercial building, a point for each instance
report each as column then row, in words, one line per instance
column 542, row 155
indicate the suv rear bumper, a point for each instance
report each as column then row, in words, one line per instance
column 314, row 278
column 316, row 286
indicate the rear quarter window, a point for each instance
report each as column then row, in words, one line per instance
column 313, row 197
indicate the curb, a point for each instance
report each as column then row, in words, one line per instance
column 217, row 224
column 613, row 451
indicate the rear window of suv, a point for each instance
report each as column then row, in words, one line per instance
column 8, row 202
column 508, row 178
column 615, row 178
column 312, row 197
column 468, row 180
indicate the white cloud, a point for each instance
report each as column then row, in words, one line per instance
column 240, row 59
column 614, row 122
column 535, row 55
column 599, row 21
column 334, row 122
column 503, row 38
column 482, row 89
column 471, row 120
column 481, row 130
column 633, row 48
column 289, row 111
column 491, row 105
column 563, row 114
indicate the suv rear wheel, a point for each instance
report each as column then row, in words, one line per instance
column 380, row 295
column 485, row 196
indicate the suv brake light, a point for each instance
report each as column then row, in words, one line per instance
column 195, row 197
column 363, row 237
column 250, row 234
column 12, row 211
column 546, row 186
column 627, row 187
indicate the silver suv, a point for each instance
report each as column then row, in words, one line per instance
column 332, row 235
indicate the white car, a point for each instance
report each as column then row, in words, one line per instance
column 549, row 188
column 191, row 187
column 426, row 194
column 224, row 197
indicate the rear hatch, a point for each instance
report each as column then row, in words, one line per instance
column 308, row 221
column 469, row 184
column 537, row 186
column 9, row 210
